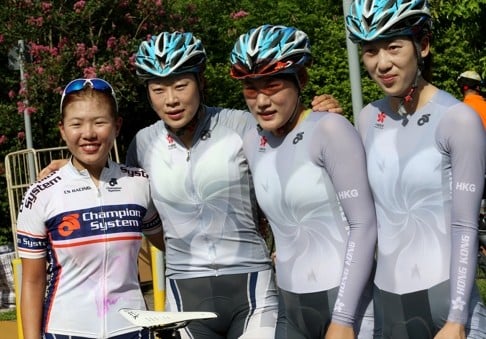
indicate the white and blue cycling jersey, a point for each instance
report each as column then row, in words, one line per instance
column 90, row 237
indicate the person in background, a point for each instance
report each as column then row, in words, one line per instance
column 470, row 84
column 309, row 173
column 79, row 230
column 426, row 158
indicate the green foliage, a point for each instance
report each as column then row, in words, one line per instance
column 459, row 43
column 482, row 288
column 68, row 39
column 8, row 315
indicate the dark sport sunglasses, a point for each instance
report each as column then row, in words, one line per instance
column 95, row 83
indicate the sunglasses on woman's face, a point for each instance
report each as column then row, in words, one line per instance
column 269, row 87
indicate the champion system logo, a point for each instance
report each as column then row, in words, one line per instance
column 69, row 224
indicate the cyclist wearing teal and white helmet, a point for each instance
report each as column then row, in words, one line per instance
column 270, row 50
column 377, row 20
column 168, row 54
column 426, row 155
column 309, row 173
column 174, row 56
column 215, row 257
column 216, row 260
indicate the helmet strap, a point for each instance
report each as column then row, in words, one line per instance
column 409, row 97
column 291, row 122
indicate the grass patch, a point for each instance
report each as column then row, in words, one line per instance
column 8, row 315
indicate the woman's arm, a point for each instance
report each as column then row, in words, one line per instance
column 462, row 137
column 32, row 296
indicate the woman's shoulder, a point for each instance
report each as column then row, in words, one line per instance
column 236, row 120
column 229, row 113
column 455, row 110
column 154, row 128
column 329, row 118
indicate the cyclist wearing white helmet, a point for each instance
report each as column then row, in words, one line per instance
column 215, row 258
column 470, row 84
column 426, row 155
column 309, row 172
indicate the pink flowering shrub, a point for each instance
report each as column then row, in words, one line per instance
column 239, row 14
column 66, row 40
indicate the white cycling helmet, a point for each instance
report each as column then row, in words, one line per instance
column 169, row 54
column 470, row 75
column 469, row 80
column 370, row 20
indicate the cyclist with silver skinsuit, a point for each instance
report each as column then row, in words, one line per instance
column 426, row 155
column 216, row 260
column 309, row 171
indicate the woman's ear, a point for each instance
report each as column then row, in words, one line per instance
column 201, row 81
column 118, row 125
column 425, row 46
column 60, row 125
column 303, row 77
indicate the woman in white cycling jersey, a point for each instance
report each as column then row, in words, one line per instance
column 426, row 162
column 309, row 173
column 84, row 224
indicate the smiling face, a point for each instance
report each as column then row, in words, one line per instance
column 176, row 99
column 89, row 128
column 271, row 100
column 392, row 63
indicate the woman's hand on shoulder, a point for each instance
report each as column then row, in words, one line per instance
column 326, row 102
column 54, row 165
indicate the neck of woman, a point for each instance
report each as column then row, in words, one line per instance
column 186, row 133
column 420, row 96
column 297, row 116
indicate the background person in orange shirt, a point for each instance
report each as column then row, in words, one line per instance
column 470, row 83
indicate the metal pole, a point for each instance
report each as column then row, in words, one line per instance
column 27, row 124
column 354, row 68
